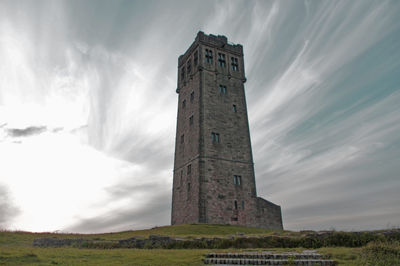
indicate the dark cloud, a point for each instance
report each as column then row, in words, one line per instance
column 154, row 210
column 26, row 132
column 57, row 129
column 7, row 209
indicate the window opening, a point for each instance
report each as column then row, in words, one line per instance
column 182, row 73
column 221, row 59
column 209, row 56
column 235, row 65
column 215, row 137
column 195, row 60
column 222, row 89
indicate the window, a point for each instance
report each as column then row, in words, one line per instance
column 189, row 169
column 196, row 58
column 221, row 59
column 235, row 65
column 189, row 66
column 237, row 180
column 192, row 96
column 183, row 103
column 236, row 205
column 242, row 204
column 209, row 56
column 234, row 109
column 188, row 186
column 182, row 138
column 191, row 120
column 215, row 137
column 222, row 89
column 182, row 73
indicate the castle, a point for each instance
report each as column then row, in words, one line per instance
column 214, row 179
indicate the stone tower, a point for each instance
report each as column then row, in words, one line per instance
column 214, row 180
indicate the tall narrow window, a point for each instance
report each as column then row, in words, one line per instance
column 192, row 96
column 221, row 59
column 189, row 66
column 237, row 180
column 183, row 103
column 191, row 120
column 180, row 181
column 196, row 58
column 189, row 169
column 209, row 56
column 236, row 205
column 222, row 89
column 182, row 73
column 235, row 65
column 242, row 204
column 188, row 186
column 234, row 109
column 182, row 138
column 215, row 137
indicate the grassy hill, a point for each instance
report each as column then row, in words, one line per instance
column 16, row 247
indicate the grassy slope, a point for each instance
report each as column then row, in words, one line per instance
column 16, row 248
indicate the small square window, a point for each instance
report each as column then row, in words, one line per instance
column 234, row 109
column 191, row 120
column 215, row 137
column 192, row 96
column 189, row 169
column 237, row 180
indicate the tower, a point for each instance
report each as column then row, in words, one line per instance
column 214, row 179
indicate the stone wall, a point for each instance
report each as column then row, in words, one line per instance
column 268, row 215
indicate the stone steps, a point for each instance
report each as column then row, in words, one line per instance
column 267, row 258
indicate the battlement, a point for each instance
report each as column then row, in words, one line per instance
column 216, row 41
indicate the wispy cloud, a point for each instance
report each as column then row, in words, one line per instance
column 8, row 210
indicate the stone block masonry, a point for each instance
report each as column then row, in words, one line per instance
column 214, row 179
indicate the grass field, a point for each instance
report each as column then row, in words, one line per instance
column 16, row 248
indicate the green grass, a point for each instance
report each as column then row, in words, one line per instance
column 186, row 231
column 16, row 248
column 71, row 256
column 190, row 231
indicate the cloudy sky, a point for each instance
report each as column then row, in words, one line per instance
column 88, row 109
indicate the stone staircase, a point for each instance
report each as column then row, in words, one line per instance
column 307, row 257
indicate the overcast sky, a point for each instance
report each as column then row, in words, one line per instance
column 88, row 109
